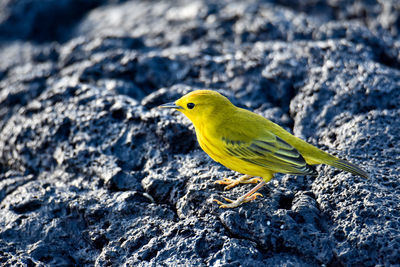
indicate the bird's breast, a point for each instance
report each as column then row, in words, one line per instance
column 214, row 147
column 208, row 144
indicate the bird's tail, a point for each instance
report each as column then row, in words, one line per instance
column 349, row 167
column 314, row 156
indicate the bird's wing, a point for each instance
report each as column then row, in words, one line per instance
column 270, row 152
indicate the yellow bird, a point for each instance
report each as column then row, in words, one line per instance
column 250, row 144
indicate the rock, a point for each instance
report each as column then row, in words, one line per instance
column 93, row 173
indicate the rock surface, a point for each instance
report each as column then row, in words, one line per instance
column 92, row 173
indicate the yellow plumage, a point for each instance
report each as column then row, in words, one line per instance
column 249, row 143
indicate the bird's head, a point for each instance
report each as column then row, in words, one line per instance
column 202, row 106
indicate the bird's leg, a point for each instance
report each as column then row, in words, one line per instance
column 249, row 196
column 245, row 179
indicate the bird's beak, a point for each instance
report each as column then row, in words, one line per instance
column 170, row 105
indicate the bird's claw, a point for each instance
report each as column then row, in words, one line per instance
column 231, row 183
column 237, row 202
column 223, row 205
column 253, row 181
column 252, row 197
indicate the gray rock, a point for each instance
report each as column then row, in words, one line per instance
column 92, row 173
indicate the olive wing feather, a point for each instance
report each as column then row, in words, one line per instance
column 270, row 152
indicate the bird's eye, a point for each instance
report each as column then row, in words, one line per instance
column 190, row 105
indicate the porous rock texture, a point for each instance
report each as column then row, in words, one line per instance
column 92, row 173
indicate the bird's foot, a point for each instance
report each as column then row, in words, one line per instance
column 249, row 196
column 237, row 202
column 231, row 183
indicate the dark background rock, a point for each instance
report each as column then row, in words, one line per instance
column 92, row 173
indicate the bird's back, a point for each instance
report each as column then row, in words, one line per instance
column 261, row 125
